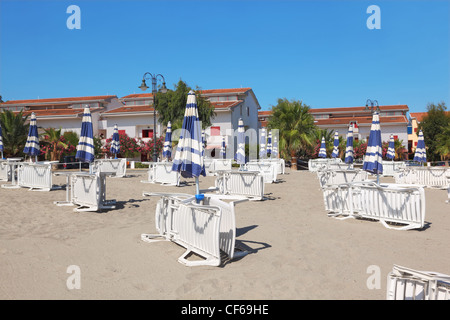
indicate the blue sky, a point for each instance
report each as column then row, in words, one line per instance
column 320, row 52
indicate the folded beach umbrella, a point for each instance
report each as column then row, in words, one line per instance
column 269, row 143
column 421, row 154
column 188, row 158
column 349, row 146
column 323, row 150
column 32, row 144
column 223, row 149
column 1, row 141
column 335, row 152
column 240, row 153
column 262, row 143
column 167, row 150
column 275, row 147
column 115, row 142
column 391, row 149
column 203, row 142
column 374, row 153
column 85, row 147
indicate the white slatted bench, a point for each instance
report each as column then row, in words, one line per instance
column 268, row 170
column 206, row 229
column 391, row 167
column 213, row 165
column 331, row 177
column 118, row 167
column 249, row 184
column 403, row 205
column 35, row 175
column 5, row 172
column 323, row 163
column 161, row 172
column 408, row 284
column 430, row 177
column 280, row 164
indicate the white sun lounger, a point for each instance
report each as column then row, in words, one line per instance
column 161, row 172
column 408, row 284
column 35, row 175
column 331, row 177
column 118, row 167
column 430, row 177
column 249, row 184
column 403, row 205
column 213, row 165
column 268, row 170
column 323, row 163
column 280, row 164
column 5, row 172
column 206, row 229
column 391, row 167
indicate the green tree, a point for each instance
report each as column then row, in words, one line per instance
column 52, row 139
column 295, row 125
column 172, row 104
column 443, row 143
column 15, row 132
column 316, row 140
column 432, row 125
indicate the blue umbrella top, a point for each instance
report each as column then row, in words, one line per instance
column 323, row 150
column 335, row 152
column 1, row 139
column 32, row 145
column 223, row 148
column 373, row 162
column 269, row 143
column 240, row 153
column 188, row 156
column 421, row 153
column 115, row 142
column 275, row 147
column 167, row 150
column 349, row 146
column 85, row 147
column 391, row 149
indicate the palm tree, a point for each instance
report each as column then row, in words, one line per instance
column 443, row 143
column 295, row 125
column 317, row 134
column 15, row 132
column 52, row 137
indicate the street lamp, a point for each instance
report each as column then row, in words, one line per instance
column 373, row 104
column 163, row 89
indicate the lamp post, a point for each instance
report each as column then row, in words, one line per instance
column 373, row 105
column 163, row 89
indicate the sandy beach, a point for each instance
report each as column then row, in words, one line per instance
column 296, row 250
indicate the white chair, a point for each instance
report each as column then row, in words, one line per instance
column 408, row 284
column 249, row 184
column 206, row 228
column 400, row 207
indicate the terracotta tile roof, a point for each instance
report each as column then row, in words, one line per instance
column 58, row 112
column 138, row 95
column 58, row 100
column 218, row 91
column 361, row 120
column 264, row 113
column 128, row 109
column 358, row 109
column 225, row 104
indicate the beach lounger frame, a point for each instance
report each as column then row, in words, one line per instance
column 323, row 163
column 267, row 169
column 249, row 184
column 36, row 176
column 333, row 177
column 430, row 177
column 206, row 229
column 5, row 172
column 161, row 172
column 403, row 205
column 391, row 167
column 116, row 167
column 408, row 284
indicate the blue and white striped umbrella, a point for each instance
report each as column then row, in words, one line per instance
column 1, row 141
column 335, row 152
column 32, row 145
column 203, row 142
column 223, row 152
column 188, row 158
column 269, row 143
column 349, row 146
column 323, row 150
column 167, row 150
column 421, row 154
column 275, row 147
column 373, row 161
column 391, row 149
column 240, row 153
column 262, row 143
column 115, row 142
column 85, row 147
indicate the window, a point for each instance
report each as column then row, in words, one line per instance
column 215, row 131
column 395, row 137
column 121, row 131
column 248, row 112
column 147, row 133
column 240, row 110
